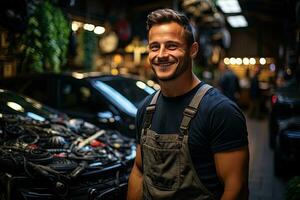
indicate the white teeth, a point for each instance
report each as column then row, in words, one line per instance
column 165, row 64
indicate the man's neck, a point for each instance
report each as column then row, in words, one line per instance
column 179, row 86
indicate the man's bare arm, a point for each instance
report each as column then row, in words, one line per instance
column 233, row 168
column 135, row 184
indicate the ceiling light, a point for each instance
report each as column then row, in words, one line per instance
column 237, row 21
column 229, row 6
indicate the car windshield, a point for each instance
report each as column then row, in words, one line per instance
column 126, row 93
column 12, row 103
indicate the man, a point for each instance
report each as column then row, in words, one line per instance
column 255, row 95
column 229, row 82
column 187, row 149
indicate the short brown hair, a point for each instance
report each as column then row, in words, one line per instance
column 167, row 15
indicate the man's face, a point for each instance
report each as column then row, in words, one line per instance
column 168, row 51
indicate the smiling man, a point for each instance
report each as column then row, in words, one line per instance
column 192, row 140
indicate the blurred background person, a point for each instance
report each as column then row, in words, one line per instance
column 255, row 95
column 229, row 82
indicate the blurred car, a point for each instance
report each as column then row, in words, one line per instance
column 287, row 146
column 104, row 100
column 284, row 127
column 285, row 104
column 44, row 154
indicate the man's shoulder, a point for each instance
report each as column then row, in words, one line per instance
column 145, row 102
column 214, row 100
column 213, row 97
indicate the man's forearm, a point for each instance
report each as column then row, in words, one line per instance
column 235, row 193
column 135, row 185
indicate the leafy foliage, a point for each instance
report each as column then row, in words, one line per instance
column 45, row 40
column 293, row 189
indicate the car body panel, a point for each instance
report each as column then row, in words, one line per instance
column 285, row 103
column 47, row 155
column 87, row 95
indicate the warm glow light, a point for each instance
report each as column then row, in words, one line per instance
column 117, row 59
column 76, row 25
column 246, row 61
column 226, row 61
column 232, row 61
column 88, row 27
column 262, row 61
column 239, row 61
column 252, row 61
column 99, row 30
column 114, row 71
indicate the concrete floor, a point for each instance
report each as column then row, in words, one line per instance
column 263, row 185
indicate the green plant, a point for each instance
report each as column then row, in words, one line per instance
column 45, row 41
column 293, row 189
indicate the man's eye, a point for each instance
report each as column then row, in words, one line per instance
column 154, row 48
column 172, row 46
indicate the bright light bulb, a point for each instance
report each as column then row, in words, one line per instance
column 246, row 61
column 262, row 61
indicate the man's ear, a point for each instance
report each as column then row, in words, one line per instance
column 194, row 49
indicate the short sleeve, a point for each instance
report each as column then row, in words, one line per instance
column 228, row 127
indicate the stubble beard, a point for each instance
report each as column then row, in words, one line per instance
column 179, row 70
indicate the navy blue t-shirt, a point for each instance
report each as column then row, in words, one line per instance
column 219, row 125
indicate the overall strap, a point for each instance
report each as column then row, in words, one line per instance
column 191, row 110
column 150, row 110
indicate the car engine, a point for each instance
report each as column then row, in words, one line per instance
column 62, row 159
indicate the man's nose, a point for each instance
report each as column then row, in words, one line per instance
column 162, row 52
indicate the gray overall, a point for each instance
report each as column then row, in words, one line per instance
column 168, row 171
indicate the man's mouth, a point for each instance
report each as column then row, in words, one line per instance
column 165, row 64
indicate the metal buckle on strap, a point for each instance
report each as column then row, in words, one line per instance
column 190, row 111
column 150, row 108
column 183, row 128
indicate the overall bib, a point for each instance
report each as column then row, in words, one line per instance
column 168, row 171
